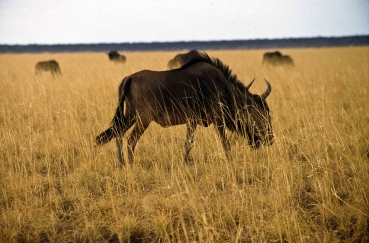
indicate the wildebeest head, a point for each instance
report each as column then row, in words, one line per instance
column 259, row 129
column 251, row 115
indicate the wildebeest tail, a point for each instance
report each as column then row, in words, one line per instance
column 117, row 124
column 105, row 136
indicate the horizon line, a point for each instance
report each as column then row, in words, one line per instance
column 188, row 41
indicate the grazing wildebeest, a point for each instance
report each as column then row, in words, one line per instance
column 277, row 59
column 116, row 57
column 181, row 59
column 202, row 92
column 48, row 66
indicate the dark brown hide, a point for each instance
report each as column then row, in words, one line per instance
column 48, row 66
column 277, row 59
column 181, row 59
column 202, row 92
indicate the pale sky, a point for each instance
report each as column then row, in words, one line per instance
column 117, row 21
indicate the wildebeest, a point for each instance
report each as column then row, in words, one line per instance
column 277, row 59
column 181, row 59
column 48, row 66
column 116, row 57
column 202, row 92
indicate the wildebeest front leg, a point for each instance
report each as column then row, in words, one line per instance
column 223, row 138
column 190, row 129
column 137, row 132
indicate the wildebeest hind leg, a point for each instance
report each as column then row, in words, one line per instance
column 137, row 132
column 190, row 129
column 128, row 123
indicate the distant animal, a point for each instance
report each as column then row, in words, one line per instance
column 181, row 59
column 202, row 92
column 48, row 66
column 116, row 57
column 277, row 59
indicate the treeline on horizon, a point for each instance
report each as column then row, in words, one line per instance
column 189, row 45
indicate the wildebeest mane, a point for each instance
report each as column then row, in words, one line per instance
column 227, row 72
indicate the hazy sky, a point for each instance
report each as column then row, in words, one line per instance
column 97, row 21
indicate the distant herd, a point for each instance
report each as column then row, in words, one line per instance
column 270, row 59
column 196, row 90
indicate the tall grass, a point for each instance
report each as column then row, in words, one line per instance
column 311, row 185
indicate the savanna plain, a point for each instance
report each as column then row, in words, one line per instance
column 311, row 185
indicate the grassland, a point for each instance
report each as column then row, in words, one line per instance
column 311, row 185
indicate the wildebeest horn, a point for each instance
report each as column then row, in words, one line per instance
column 267, row 92
column 248, row 86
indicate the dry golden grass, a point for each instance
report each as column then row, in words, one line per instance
column 311, row 185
